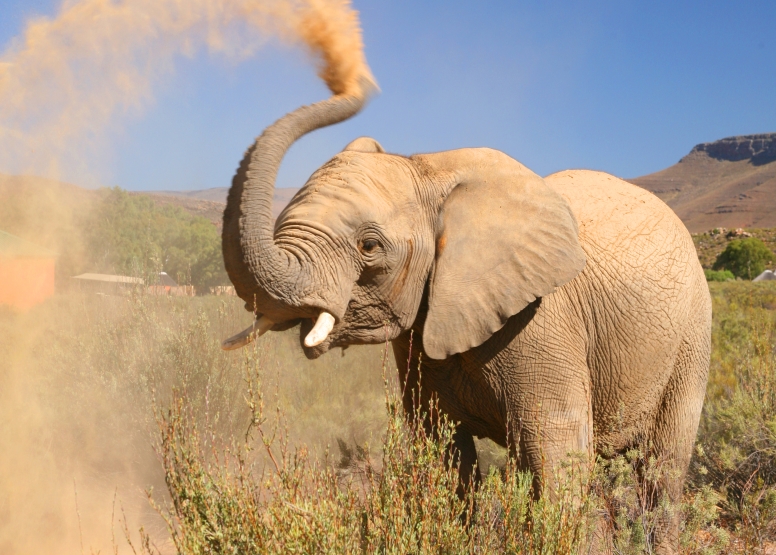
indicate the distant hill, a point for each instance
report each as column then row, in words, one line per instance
column 209, row 209
column 50, row 212
column 110, row 230
column 218, row 195
column 31, row 205
column 214, row 194
column 727, row 183
column 31, row 202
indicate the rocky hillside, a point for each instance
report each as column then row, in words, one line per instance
column 710, row 244
column 727, row 183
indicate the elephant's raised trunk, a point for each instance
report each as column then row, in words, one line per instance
column 261, row 272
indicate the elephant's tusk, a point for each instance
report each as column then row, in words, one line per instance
column 258, row 329
column 320, row 331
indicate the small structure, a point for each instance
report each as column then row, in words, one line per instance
column 165, row 285
column 767, row 275
column 26, row 272
column 106, row 284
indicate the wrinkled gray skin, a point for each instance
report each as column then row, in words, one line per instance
column 561, row 314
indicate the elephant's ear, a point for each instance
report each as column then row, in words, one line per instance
column 364, row 144
column 504, row 239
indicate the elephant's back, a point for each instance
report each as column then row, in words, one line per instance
column 627, row 229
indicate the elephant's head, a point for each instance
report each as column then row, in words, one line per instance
column 471, row 235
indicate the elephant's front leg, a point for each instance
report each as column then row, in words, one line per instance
column 420, row 400
column 465, row 457
column 552, row 424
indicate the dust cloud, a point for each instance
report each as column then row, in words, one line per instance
column 67, row 80
column 75, row 373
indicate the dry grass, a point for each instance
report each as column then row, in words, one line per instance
column 81, row 376
column 264, row 451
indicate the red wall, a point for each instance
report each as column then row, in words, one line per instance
column 25, row 282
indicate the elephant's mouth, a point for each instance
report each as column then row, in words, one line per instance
column 318, row 336
column 315, row 333
column 346, row 333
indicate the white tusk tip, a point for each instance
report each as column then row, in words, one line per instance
column 320, row 331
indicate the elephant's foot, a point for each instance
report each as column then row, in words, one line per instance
column 667, row 536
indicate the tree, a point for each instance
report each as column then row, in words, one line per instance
column 130, row 234
column 746, row 258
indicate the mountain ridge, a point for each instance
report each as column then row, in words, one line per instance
column 726, row 183
column 729, row 183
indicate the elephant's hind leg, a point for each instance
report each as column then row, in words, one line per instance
column 676, row 425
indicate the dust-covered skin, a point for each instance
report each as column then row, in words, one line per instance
column 553, row 315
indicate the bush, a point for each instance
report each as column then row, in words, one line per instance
column 260, row 496
column 86, row 372
column 745, row 258
column 736, row 452
column 81, row 375
column 719, row 275
column 278, row 500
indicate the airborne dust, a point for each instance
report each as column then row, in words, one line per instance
column 77, row 376
column 65, row 81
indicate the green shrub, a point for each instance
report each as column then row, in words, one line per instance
column 745, row 258
column 719, row 275
column 626, row 487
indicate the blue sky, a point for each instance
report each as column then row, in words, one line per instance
column 622, row 86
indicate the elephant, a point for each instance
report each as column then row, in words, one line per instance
column 552, row 315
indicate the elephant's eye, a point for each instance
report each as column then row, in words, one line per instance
column 369, row 245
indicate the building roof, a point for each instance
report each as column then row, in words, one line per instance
column 166, row 280
column 107, row 278
column 12, row 246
